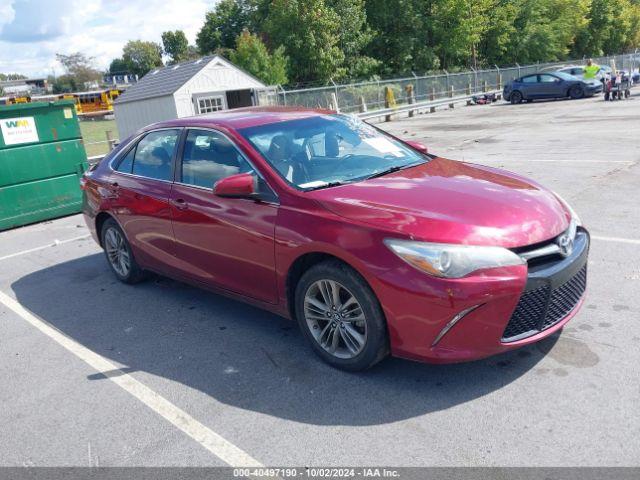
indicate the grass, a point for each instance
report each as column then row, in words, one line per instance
column 96, row 131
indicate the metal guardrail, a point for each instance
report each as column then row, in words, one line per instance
column 415, row 107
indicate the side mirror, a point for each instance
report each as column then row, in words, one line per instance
column 418, row 146
column 242, row 185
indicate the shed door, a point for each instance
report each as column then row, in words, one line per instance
column 239, row 98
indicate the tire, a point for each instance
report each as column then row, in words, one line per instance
column 357, row 344
column 576, row 92
column 119, row 255
column 516, row 97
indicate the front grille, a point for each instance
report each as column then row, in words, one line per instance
column 565, row 298
column 542, row 308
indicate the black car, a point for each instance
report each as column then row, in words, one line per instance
column 549, row 85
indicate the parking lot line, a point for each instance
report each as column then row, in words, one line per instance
column 220, row 447
column 616, row 239
column 43, row 247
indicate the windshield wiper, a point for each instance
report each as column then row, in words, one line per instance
column 395, row 168
column 326, row 185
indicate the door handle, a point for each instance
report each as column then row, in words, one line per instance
column 180, row 203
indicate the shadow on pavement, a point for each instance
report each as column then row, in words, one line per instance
column 243, row 356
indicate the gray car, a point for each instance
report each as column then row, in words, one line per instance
column 549, row 85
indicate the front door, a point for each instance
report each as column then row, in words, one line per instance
column 550, row 86
column 222, row 242
column 140, row 189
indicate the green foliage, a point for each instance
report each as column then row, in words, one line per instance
column 66, row 84
column 309, row 31
column 176, row 46
column 118, row 65
column 252, row 55
column 224, row 24
column 140, row 57
column 327, row 40
column 354, row 34
column 11, row 76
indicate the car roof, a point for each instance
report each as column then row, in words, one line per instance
column 244, row 117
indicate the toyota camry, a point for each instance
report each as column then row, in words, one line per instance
column 374, row 245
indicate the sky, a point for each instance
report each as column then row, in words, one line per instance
column 33, row 31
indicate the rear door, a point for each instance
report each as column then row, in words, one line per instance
column 530, row 86
column 222, row 242
column 140, row 187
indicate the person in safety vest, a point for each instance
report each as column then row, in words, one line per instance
column 591, row 70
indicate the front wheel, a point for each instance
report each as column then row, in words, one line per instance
column 576, row 92
column 341, row 317
column 516, row 97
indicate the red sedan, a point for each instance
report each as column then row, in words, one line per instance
column 372, row 244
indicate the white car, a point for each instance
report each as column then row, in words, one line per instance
column 578, row 72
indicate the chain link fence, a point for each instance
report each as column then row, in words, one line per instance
column 371, row 95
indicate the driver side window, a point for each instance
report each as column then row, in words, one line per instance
column 548, row 79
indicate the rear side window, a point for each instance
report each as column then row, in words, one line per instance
column 210, row 156
column 126, row 164
column 152, row 157
column 530, row 79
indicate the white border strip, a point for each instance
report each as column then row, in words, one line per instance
column 630, row 241
column 221, row 448
column 43, row 247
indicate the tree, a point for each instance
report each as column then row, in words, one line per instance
column 309, row 31
column 460, row 27
column 404, row 39
column 118, row 65
column 176, row 46
column 79, row 68
column 140, row 56
column 494, row 46
column 11, row 76
column 65, row 84
column 252, row 55
column 224, row 24
column 354, row 36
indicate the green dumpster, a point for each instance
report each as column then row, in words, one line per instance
column 41, row 160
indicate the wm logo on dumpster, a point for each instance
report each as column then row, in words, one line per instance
column 19, row 130
column 17, row 123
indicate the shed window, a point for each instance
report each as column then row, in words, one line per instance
column 210, row 104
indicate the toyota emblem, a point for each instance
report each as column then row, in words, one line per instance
column 565, row 242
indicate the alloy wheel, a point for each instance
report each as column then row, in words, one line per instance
column 335, row 319
column 117, row 252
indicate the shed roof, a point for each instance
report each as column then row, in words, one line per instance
column 164, row 81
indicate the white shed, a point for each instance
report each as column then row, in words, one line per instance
column 192, row 88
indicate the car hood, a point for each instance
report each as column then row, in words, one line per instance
column 452, row 202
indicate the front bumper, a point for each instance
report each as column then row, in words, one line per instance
column 595, row 89
column 515, row 306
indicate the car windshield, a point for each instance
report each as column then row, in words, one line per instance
column 328, row 150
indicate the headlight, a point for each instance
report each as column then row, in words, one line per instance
column 451, row 261
column 574, row 216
